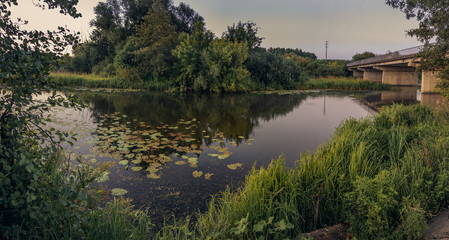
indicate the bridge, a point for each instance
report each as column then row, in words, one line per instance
column 396, row 68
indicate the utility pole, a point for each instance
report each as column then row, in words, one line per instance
column 327, row 45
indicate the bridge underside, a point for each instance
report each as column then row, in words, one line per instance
column 399, row 73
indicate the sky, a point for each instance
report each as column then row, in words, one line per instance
column 350, row 26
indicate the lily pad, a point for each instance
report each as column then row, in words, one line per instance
column 136, row 169
column 197, row 174
column 213, row 155
column 118, row 191
column 137, row 161
column 123, row 162
column 152, row 175
column 180, row 163
column 224, row 156
column 193, row 160
column 208, row 175
column 234, row 166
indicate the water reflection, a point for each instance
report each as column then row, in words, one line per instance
column 174, row 152
column 404, row 95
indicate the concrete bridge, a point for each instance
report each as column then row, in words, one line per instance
column 396, row 68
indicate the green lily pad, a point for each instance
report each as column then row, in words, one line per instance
column 180, row 163
column 123, row 162
column 118, row 191
column 193, row 161
column 213, row 154
column 137, row 161
column 224, row 156
column 152, row 175
column 136, row 169
column 207, row 176
column 197, row 174
column 234, row 166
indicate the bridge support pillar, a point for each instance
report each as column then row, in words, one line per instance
column 429, row 82
column 399, row 76
column 372, row 75
column 357, row 74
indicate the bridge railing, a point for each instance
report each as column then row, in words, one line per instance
column 404, row 53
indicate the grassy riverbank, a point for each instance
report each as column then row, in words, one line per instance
column 383, row 176
column 94, row 81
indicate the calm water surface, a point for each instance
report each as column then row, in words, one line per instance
column 172, row 153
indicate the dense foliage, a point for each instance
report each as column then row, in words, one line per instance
column 361, row 56
column 433, row 31
column 43, row 193
column 169, row 46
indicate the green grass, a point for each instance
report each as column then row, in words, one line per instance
column 384, row 176
column 351, row 84
column 94, row 81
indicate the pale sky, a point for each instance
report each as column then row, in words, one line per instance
column 350, row 26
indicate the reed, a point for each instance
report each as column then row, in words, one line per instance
column 383, row 175
column 95, row 81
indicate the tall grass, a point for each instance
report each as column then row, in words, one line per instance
column 94, row 81
column 341, row 83
column 118, row 220
column 383, row 176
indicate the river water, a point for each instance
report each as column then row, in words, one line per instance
column 172, row 152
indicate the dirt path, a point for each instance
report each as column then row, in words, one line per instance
column 438, row 227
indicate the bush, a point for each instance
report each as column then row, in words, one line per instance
column 272, row 70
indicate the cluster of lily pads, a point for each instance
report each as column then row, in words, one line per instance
column 150, row 148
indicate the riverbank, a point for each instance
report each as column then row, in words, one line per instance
column 384, row 176
column 328, row 83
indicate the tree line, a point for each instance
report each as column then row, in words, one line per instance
column 154, row 40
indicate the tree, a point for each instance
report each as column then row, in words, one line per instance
column 361, row 56
column 433, row 32
column 155, row 39
column 190, row 53
column 184, row 18
column 37, row 198
column 273, row 70
column 244, row 33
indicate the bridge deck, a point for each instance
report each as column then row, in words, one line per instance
column 398, row 55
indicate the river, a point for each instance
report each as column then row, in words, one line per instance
column 171, row 153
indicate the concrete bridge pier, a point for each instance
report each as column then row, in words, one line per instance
column 429, row 82
column 356, row 73
column 370, row 74
column 399, row 76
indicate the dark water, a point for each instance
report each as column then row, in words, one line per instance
column 158, row 130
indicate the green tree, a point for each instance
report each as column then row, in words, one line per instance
column 361, row 56
column 155, row 39
column 273, row 70
column 244, row 33
column 190, row 53
column 433, row 31
column 39, row 197
column 183, row 17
